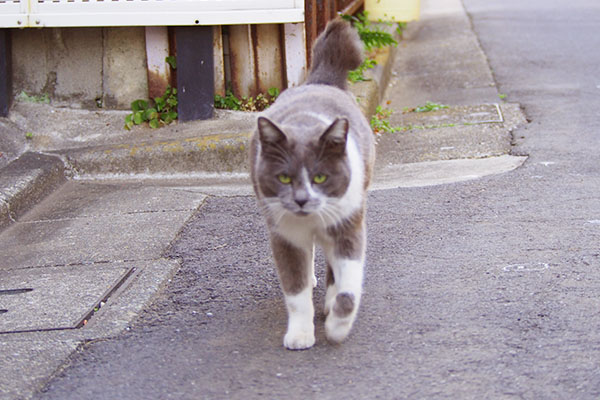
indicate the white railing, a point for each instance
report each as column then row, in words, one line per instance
column 80, row 13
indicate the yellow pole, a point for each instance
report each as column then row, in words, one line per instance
column 393, row 10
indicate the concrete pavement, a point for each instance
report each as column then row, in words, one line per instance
column 83, row 256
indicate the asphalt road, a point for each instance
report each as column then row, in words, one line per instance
column 483, row 289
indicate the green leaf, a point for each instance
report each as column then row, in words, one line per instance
column 154, row 124
column 129, row 122
column 160, row 103
column 138, row 105
column 172, row 101
column 273, row 92
column 429, row 106
column 172, row 61
column 138, row 117
column 151, row 113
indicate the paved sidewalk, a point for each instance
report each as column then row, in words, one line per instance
column 83, row 254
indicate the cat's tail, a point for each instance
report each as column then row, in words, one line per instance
column 336, row 51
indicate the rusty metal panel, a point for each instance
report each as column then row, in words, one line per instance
column 243, row 70
column 218, row 60
column 157, row 49
column 310, row 18
column 350, row 7
column 269, row 57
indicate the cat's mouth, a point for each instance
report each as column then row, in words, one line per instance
column 302, row 213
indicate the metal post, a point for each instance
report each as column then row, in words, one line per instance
column 195, row 72
column 5, row 72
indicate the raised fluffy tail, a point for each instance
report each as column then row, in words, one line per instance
column 336, row 51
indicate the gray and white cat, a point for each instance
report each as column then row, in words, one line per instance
column 311, row 160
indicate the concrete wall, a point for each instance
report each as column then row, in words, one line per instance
column 81, row 67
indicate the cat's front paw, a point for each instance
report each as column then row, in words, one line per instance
column 337, row 329
column 299, row 340
column 340, row 318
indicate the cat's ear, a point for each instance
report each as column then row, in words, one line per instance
column 334, row 138
column 268, row 132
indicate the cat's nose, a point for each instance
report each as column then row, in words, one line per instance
column 301, row 202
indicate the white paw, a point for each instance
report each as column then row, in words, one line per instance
column 314, row 281
column 337, row 329
column 299, row 340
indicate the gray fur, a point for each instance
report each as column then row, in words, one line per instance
column 337, row 51
column 311, row 160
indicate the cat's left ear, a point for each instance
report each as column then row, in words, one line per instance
column 336, row 135
column 268, row 132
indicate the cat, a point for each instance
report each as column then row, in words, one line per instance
column 311, row 161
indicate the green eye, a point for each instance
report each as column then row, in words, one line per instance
column 284, row 178
column 319, row 178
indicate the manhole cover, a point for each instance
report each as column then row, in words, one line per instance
column 53, row 298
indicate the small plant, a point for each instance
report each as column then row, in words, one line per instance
column 40, row 99
column 357, row 75
column 380, row 122
column 227, row 102
column 502, row 96
column 400, row 28
column 372, row 36
column 28, row 135
column 163, row 113
column 172, row 61
column 246, row 103
column 428, row 107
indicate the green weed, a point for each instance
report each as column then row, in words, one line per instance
column 373, row 38
column 371, row 35
column 357, row 75
column 246, row 103
column 162, row 113
column 380, row 122
column 428, row 107
column 40, row 99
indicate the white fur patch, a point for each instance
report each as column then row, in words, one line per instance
column 301, row 329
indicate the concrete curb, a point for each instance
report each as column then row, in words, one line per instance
column 25, row 182
column 213, row 153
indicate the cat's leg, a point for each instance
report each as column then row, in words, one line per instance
column 344, row 299
column 331, row 292
column 296, row 272
column 346, row 256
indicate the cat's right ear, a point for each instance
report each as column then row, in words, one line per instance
column 268, row 132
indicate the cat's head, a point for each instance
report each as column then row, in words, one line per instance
column 302, row 171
